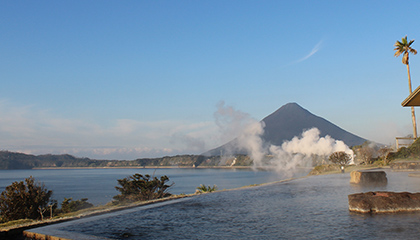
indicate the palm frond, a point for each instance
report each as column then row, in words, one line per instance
column 404, row 40
column 398, row 44
column 410, row 42
column 398, row 52
column 403, row 47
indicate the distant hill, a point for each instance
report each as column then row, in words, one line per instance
column 289, row 121
column 14, row 160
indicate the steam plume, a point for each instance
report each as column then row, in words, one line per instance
column 298, row 152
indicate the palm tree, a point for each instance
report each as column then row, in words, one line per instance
column 404, row 47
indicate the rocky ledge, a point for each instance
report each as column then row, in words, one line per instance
column 384, row 202
column 405, row 166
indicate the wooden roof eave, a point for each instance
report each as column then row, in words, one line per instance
column 413, row 100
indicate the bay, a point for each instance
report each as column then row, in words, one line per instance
column 98, row 185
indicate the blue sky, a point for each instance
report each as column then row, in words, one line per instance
column 132, row 79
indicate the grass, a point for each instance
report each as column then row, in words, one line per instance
column 16, row 223
column 409, row 159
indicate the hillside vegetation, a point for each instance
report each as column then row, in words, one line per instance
column 13, row 160
column 410, row 153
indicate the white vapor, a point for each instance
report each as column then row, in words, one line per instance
column 299, row 151
column 231, row 122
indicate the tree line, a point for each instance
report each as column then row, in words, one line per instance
column 30, row 199
column 13, row 160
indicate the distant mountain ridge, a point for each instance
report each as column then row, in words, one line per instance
column 289, row 121
column 14, row 160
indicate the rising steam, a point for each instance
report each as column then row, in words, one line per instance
column 298, row 152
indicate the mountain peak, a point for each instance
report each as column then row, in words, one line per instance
column 291, row 120
column 291, row 108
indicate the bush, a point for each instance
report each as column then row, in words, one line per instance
column 320, row 169
column 142, row 188
column 69, row 205
column 24, row 199
column 413, row 151
column 202, row 188
column 401, row 153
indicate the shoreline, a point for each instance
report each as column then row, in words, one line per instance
column 140, row 167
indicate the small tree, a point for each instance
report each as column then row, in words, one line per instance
column 142, row 188
column 365, row 154
column 24, row 199
column 340, row 158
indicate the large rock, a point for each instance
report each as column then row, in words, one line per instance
column 368, row 177
column 384, row 202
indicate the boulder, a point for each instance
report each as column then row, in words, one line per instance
column 384, row 202
column 368, row 177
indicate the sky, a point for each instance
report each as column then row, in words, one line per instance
column 135, row 79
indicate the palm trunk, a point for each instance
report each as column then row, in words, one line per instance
column 413, row 114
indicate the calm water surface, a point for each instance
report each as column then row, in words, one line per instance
column 98, row 185
column 307, row 208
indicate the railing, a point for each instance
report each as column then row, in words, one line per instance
column 407, row 141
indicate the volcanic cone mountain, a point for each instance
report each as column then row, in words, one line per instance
column 289, row 121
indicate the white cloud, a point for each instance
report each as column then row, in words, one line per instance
column 29, row 130
column 313, row 51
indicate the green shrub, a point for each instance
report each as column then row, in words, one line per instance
column 413, row 151
column 414, row 148
column 202, row 188
column 24, row 200
column 400, row 154
column 69, row 205
column 142, row 188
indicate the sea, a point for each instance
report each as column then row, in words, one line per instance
column 314, row 207
column 98, row 185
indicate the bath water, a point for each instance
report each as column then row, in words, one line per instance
column 306, row 208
